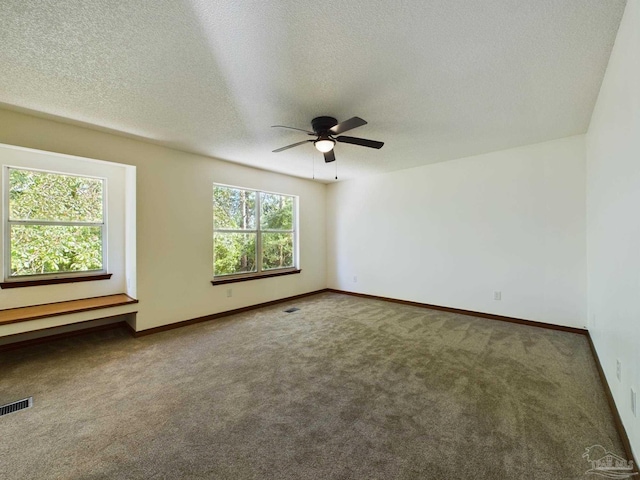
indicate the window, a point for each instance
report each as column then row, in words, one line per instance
column 253, row 232
column 54, row 224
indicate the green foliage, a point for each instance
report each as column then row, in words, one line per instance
column 234, row 209
column 276, row 212
column 235, row 252
column 40, row 249
column 277, row 250
column 50, row 196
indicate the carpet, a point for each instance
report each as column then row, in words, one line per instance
column 344, row 388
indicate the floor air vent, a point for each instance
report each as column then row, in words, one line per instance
column 15, row 406
column 292, row 309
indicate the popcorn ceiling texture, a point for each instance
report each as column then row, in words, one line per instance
column 436, row 79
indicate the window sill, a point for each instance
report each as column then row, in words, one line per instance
column 253, row 276
column 53, row 281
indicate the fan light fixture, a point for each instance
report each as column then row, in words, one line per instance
column 324, row 144
column 328, row 131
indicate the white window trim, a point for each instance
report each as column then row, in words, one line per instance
column 7, row 222
column 294, row 230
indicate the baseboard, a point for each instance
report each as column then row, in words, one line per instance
column 471, row 313
column 622, row 432
column 226, row 313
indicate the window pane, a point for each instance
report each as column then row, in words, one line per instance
column 277, row 250
column 40, row 249
column 276, row 212
column 50, row 196
column 234, row 209
column 234, row 253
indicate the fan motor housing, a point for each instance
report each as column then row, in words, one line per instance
column 323, row 124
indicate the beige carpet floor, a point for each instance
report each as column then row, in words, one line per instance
column 344, row 388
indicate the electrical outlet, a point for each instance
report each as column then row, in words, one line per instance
column 619, row 370
column 229, row 292
column 633, row 402
column 497, row 295
column 355, row 279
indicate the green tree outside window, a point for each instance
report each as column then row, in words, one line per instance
column 253, row 231
column 55, row 223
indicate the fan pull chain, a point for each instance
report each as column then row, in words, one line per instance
column 336, row 169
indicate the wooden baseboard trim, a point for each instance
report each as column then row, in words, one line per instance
column 612, row 405
column 471, row 313
column 226, row 313
column 59, row 336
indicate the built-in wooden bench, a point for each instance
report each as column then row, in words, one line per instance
column 24, row 314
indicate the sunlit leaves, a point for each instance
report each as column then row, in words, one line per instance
column 276, row 212
column 235, row 212
column 277, row 250
column 54, row 197
column 234, row 253
column 234, row 209
column 38, row 249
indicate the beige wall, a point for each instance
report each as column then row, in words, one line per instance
column 175, row 222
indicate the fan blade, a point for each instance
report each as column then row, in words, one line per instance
column 291, row 146
column 347, row 125
column 293, row 128
column 329, row 156
column 363, row 142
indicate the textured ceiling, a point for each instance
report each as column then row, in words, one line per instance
column 435, row 79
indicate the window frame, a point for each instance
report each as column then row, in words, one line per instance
column 52, row 277
column 258, row 231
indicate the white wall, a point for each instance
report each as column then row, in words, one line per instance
column 175, row 221
column 613, row 219
column 452, row 233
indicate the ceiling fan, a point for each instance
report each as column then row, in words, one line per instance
column 326, row 129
